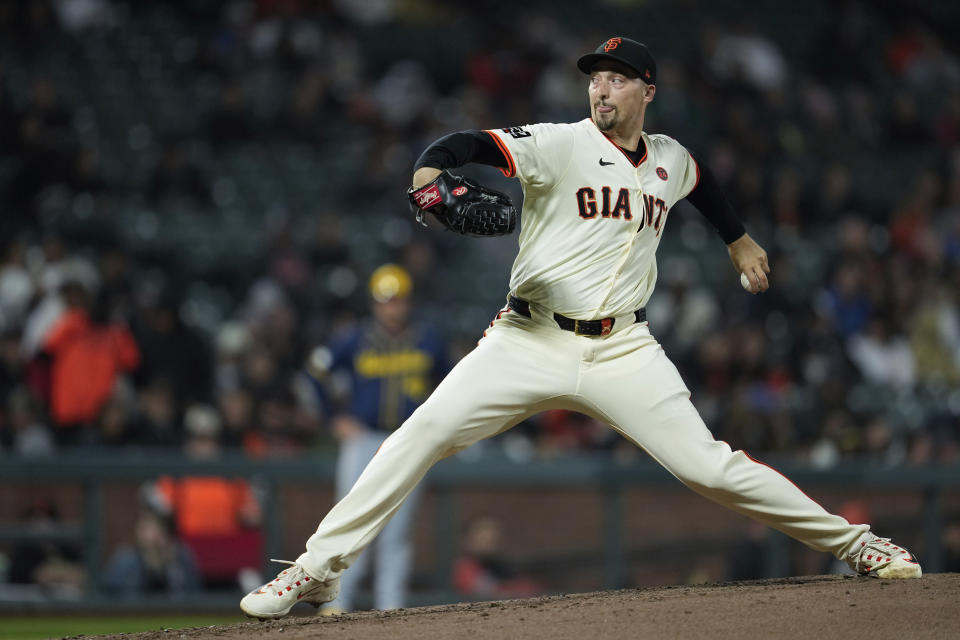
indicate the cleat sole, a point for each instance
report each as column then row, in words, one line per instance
column 266, row 616
column 900, row 572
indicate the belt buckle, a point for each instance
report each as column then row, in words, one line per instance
column 606, row 326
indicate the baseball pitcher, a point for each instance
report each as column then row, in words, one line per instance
column 597, row 194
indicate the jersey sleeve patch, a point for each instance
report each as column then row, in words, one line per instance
column 517, row 132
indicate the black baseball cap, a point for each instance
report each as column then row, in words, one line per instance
column 630, row 52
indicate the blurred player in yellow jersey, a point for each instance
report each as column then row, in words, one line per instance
column 373, row 376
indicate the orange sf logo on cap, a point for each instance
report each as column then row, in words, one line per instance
column 612, row 44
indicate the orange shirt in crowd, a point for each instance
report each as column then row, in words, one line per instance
column 86, row 361
column 210, row 506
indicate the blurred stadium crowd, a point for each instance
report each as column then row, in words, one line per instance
column 194, row 194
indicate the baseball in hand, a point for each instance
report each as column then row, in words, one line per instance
column 745, row 281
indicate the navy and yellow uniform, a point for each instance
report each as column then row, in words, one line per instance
column 389, row 375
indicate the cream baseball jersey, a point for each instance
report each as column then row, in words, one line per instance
column 592, row 219
column 591, row 223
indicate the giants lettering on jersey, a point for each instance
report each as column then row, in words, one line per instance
column 651, row 202
column 587, row 203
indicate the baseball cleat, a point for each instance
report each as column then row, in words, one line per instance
column 880, row 557
column 276, row 598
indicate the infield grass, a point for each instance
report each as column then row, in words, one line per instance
column 36, row 627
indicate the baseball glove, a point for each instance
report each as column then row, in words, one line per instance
column 464, row 206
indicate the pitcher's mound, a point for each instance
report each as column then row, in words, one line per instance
column 818, row 607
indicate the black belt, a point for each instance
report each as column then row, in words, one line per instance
column 580, row 327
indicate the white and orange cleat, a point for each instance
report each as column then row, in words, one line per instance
column 880, row 557
column 276, row 598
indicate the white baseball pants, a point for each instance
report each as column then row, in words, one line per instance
column 394, row 549
column 524, row 366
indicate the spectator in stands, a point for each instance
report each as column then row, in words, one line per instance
column 173, row 351
column 155, row 423
column 16, row 285
column 115, row 265
column 237, row 410
column 687, row 312
column 561, row 431
column 846, row 301
column 29, row 435
column 218, row 518
column 43, row 144
column 54, row 566
column 13, row 367
column 745, row 54
column 914, row 214
column 261, row 371
column 918, row 57
column 116, row 426
column 55, row 266
column 277, row 434
column 231, row 344
column 788, row 202
column 935, row 335
column 881, row 445
column 482, row 570
column 882, row 355
column 157, row 563
column 88, row 353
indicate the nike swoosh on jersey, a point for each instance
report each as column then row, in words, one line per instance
column 605, row 164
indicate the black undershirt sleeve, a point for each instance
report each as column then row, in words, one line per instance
column 463, row 147
column 710, row 201
column 460, row 148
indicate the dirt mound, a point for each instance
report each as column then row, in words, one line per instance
column 820, row 607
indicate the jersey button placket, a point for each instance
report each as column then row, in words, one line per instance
column 639, row 219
